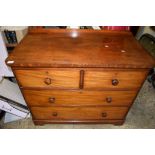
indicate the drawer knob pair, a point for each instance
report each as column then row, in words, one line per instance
column 115, row 82
column 48, row 81
column 109, row 99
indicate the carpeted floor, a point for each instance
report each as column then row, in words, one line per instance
column 141, row 115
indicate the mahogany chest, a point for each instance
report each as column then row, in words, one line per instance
column 79, row 76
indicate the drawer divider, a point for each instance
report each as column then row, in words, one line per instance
column 81, row 83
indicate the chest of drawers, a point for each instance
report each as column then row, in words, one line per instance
column 79, row 76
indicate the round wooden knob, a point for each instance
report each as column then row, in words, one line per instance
column 54, row 114
column 109, row 99
column 51, row 99
column 48, row 81
column 115, row 82
column 104, row 114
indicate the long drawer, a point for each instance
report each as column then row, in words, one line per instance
column 78, row 113
column 78, row 98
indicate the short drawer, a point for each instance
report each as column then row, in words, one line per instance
column 114, row 79
column 51, row 78
column 78, row 98
column 78, row 113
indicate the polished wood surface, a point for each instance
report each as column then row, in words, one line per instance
column 105, row 79
column 78, row 98
column 78, row 113
column 79, row 76
column 52, row 78
column 82, row 121
column 80, row 48
column 79, row 79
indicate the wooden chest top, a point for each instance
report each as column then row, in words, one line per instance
column 80, row 48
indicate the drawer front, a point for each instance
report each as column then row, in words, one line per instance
column 48, row 78
column 114, row 79
column 78, row 98
column 78, row 113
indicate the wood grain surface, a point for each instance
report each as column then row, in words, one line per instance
column 71, row 78
column 82, row 121
column 78, row 98
column 103, row 79
column 59, row 78
column 80, row 48
column 79, row 76
column 78, row 113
